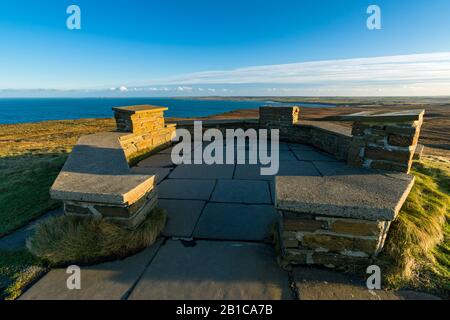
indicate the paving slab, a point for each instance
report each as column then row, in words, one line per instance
column 182, row 216
column 286, row 155
column 185, row 189
column 306, row 155
column 157, row 160
column 352, row 193
column 17, row 239
column 250, row 172
column 301, row 147
column 242, row 191
column 236, row 222
column 213, row 270
column 107, row 281
column 255, row 145
column 160, row 173
column 169, row 151
column 286, row 168
column 320, row 284
column 203, row 171
column 328, row 168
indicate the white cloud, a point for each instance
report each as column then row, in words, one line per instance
column 415, row 67
column 428, row 73
column 182, row 89
column 121, row 89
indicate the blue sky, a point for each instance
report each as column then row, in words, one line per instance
column 199, row 47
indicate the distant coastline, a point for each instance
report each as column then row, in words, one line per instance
column 25, row 110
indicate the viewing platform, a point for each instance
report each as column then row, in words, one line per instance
column 322, row 207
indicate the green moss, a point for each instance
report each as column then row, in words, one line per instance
column 64, row 240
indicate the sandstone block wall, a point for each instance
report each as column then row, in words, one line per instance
column 127, row 215
column 334, row 242
column 147, row 127
column 386, row 145
column 282, row 118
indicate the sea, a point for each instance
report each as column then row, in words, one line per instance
column 23, row 110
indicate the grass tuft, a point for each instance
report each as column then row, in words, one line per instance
column 66, row 240
column 417, row 248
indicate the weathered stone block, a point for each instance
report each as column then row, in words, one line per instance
column 327, row 242
column 378, row 153
column 356, row 227
column 290, row 243
column 390, row 166
column 297, row 224
column 297, row 256
column 338, row 261
column 401, row 140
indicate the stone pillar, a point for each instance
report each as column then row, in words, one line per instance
column 386, row 141
column 147, row 127
column 282, row 118
column 139, row 119
column 275, row 117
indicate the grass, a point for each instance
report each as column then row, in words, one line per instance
column 31, row 155
column 63, row 240
column 17, row 270
column 417, row 251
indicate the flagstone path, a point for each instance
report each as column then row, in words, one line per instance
column 213, row 246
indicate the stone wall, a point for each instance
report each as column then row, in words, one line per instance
column 379, row 141
column 221, row 125
column 127, row 215
column 330, row 138
column 147, row 127
column 334, row 242
column 282, row 118
column 387, row 144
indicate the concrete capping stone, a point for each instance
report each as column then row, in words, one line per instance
column 139, row 109
column 363, row 195
column 375, row 116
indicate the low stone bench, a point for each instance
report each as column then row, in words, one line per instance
column 96, row 181
column 341, row 218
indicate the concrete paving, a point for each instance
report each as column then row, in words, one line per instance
column 242, row 191
column 157, row 160
column 160, row 173
column 17, row 240
column 182, row 216
column 186, row 189
column 106, row 281
column 213, row 270
column 228, row 212
column 236, row 222
column 203, row 171
column 320, row 284
column 306, row 155
column 302, row 147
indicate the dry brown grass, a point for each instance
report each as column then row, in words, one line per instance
column 64, row 240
